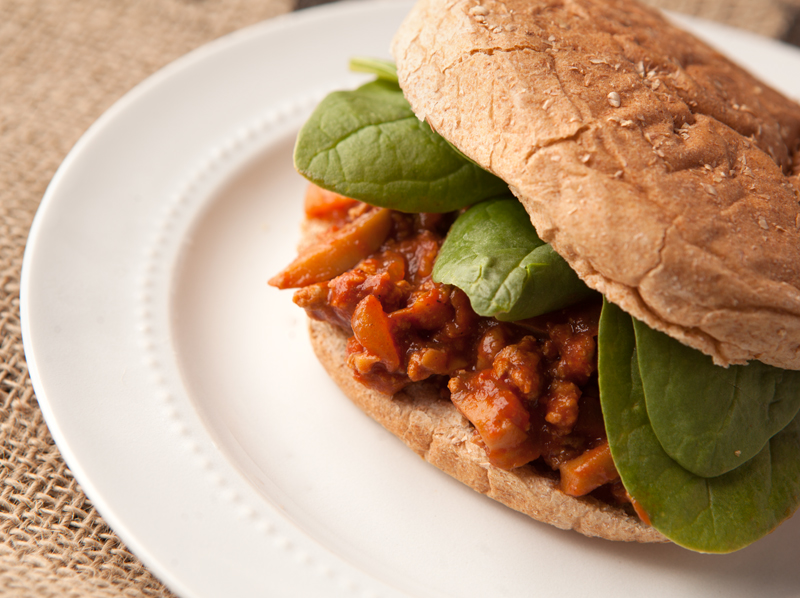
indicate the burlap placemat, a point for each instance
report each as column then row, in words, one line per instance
column 62, row 63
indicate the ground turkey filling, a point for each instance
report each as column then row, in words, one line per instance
column 529, row 388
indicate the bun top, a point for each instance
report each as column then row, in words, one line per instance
column 664, row 174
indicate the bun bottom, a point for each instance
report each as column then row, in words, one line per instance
column 436, row 431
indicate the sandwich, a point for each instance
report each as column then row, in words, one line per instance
column 555, row 249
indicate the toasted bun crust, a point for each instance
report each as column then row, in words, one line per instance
column 436, row 431
column 664, row 174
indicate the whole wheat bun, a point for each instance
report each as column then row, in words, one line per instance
column 664, row 174
column 436, row 431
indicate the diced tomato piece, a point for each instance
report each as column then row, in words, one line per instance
column 373, row 329
column 337, row 252
column 591, row 470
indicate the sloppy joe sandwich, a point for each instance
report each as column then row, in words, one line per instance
column 556, row 251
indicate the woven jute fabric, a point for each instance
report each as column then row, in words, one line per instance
column 62, row 63
column 771, row 18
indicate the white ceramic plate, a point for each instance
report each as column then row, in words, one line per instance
column 184, row 395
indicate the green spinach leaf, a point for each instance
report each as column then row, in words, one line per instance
column 708, row 418
column 720, row 514
column 494, row 255
column 368, row 144
column 383, row 69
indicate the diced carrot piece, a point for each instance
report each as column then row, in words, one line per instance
column 321, row 203
column 590, row 470
column 337, row 252
column 373, row 329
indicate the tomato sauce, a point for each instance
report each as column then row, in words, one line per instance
column 529, row 388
